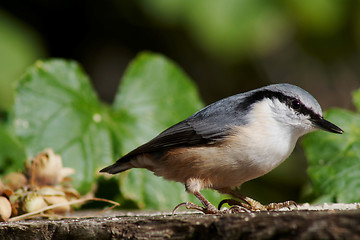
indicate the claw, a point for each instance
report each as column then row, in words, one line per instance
column 190, row 205
column 238, row 209
column 236, row 206
column 233, row 202
column 277, row 206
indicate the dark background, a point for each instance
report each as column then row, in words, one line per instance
column 226, row 48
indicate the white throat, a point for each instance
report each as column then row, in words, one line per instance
column 266, row 142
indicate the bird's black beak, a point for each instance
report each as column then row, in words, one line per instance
column 327, row 126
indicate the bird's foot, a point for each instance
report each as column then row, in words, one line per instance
column 236, row 209
column 253, row 205
column 209, row 209
column 277, row 206
column 235, row 206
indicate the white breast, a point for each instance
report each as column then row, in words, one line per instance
column 260, row 146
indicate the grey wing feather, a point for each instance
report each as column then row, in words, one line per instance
column 179, row 135
column 209, row 125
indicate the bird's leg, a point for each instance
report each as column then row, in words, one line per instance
column 252, row 204
column 207, row 209
column 194, row 185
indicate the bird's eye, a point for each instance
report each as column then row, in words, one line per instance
column 295, row 104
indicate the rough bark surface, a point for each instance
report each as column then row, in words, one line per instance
column 260, row 225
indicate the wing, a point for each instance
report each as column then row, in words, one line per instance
column 209, row 125
column 181, row 134
column 184, row 133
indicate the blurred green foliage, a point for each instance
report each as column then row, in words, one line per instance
column 233, row 29
column 12, row 154
column 321, row 18
column 19, row 47
column 334, row 166
column 226, row 29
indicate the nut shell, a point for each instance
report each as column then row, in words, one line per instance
column 14, row 181
column 33, row 202
column 46, row 169
column 5, row 209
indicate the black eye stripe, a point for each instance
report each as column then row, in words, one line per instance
column 292, row 102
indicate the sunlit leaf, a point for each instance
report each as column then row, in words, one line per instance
column 334, row 160
column 57, row 108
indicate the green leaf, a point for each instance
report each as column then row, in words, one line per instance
column 56, row 107
column 154, row 94
column 334, row 166
column 12, row 154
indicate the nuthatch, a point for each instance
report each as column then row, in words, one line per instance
column 229, row 142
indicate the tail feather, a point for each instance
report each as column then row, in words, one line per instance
column 124, row 163
column 116, row 168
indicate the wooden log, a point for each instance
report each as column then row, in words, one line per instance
column 333, row 224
